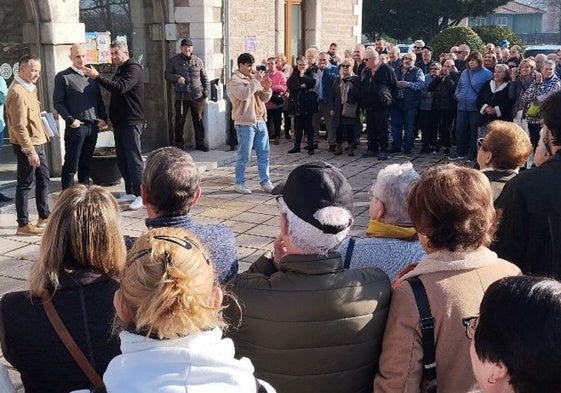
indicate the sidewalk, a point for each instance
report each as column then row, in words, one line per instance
column 253, row 218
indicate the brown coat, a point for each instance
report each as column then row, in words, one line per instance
column 248, row 99
column 455, row 284
column 24, row 120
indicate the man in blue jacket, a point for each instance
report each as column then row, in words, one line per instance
column 327, row 74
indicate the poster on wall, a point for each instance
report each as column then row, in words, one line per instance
column 250, row 43
column 97, row 47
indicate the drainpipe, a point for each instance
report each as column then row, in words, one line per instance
column 226, row 32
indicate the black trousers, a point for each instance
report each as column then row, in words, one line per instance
column 274, row 121
column 79, row 145
column 197, row 108
column 303, row 124
column 349, row 129
column 129, row 158
column 444, row 121
column 25, row 175
column 377, row 122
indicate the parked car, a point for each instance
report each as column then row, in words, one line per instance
column 533, row 50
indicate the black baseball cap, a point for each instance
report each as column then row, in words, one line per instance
column 186, row 41
column 315, row 186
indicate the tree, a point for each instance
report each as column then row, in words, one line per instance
column 456, row 35
column 495, row 34
column 553, row 5
column 420, row 18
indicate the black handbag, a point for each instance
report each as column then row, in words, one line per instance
column 277, row 99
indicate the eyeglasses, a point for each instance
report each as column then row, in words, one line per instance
column 434, row 69
column 367, row 58
column 480, row 142
column 407, row 58
column 345, row 65
column 470, row 324
column 455, row 51
column 166, row 261
column 462, row 51
column 417, row 47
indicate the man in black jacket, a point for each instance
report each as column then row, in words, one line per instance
column 377, row 80
column 187, row 74
column 78, row 101
column 126, row 112
column 530, row 230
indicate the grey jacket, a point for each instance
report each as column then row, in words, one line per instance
column 192, row 69
column 311, row 326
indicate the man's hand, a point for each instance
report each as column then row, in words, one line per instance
column 90, row 72
column 33, row 159
column 181, row 80
column 102, row 124
column 76, row 123
column 258, row 76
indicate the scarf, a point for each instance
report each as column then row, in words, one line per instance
column 381, row 229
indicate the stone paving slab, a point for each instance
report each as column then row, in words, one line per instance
column 253, row 218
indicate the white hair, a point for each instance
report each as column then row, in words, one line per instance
column 392, row 186
column 313, row 240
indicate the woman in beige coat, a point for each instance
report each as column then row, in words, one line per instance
column 452, row 209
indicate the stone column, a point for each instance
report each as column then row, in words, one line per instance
column 59, row 29
column 201, row 21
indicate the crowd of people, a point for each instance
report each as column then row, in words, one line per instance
column 450, row 253
column 396, row 96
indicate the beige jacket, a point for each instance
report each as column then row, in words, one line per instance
column 248, row 99
column 455, row 283
column 23, row 117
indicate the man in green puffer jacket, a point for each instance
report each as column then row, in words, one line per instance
column 307, row 323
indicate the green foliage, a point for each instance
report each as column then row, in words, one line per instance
column 456, row 35
column 495, row 34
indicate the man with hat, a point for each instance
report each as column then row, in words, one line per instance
column 187, row 74
column 308, row 324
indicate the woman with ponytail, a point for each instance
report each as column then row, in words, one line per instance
column 169, row 310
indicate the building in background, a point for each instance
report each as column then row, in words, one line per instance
column 219, row 29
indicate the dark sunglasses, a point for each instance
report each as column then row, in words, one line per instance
column 166, row 262
column 345, row 65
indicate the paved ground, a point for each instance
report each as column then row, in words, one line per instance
column 253, row 218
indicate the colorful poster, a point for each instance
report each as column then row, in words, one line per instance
column 97, row 47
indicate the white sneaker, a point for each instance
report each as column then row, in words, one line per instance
column 242, row 189
column 267, row 187
column 136, row 204
column 126, row 198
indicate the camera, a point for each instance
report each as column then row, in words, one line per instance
column 261, row 67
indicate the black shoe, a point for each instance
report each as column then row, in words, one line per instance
column 382, row 156
column 307, row 147
column 425, row 150
column 393, row 149
column 4, row 198
column 331, row 148
column 446, row 151
column 311, row 152
column 407, row 151
column 294, row 150
column 202, row 148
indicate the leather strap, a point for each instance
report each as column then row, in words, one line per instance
column 349, row 254
column 427, row 330
column 69, row 342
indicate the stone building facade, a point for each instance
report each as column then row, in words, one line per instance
column 219, row 29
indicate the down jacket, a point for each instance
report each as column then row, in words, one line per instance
column 311, row 326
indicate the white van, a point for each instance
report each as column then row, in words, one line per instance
column 533, row 50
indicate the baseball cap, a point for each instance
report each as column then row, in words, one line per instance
column 186, row 41
column 311, row 188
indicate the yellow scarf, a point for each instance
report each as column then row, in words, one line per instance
column 381, row 229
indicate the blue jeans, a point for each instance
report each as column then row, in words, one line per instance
column 253, row 136
column 466, row 133
column 403, row 119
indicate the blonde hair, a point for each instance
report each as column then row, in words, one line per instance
column 168, row 284
column 83, row 232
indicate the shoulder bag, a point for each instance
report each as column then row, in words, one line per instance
column 69, row 342
column 427, row 331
